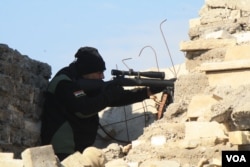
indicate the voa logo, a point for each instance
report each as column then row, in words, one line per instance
column 236, row 158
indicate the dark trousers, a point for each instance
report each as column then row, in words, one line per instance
column 62, row 156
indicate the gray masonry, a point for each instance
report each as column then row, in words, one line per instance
column 22, row 82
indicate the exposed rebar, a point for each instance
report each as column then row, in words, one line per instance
column 165, row 41
column 123, row 61
column 148, row 46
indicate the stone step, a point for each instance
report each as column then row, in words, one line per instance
column 229, row 73
column 226, row 65
column 206, row 44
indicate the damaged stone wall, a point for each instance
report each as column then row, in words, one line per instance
column 219, row 43
column 211, row 110
column 22, row 82
column 218, row 54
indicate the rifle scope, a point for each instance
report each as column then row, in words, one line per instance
column 149, row 74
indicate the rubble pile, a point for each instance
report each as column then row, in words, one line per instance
column 210, row 112
column 211, row 102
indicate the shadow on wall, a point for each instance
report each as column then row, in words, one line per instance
column 125, row 123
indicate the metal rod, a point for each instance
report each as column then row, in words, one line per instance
column 123, row 61
column 165, row 41
column 148, row 46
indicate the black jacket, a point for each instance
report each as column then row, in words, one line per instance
column 70, row 116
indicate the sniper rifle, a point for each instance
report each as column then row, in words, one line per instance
column 150, row 79
column 147, row 78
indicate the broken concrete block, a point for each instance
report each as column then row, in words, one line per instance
column 158, row 140
column 232, row 4
column 194, row 22
column 216, row 162
column 11, row 163
column 199, row 105
column 91, row 157
column 134, row 164
column 226, row 66
column 239, row 52
column 227, row 72
column 116, row 163
column 43, row 156
column 4, row 155
column 218, row 35
column 126, row 148
column 206, row 44
column 75, row 159
column 94, row 157
column 193, row 143
column 136, row 143
column 189, row 144
column 242, row 37
column 160, row 163
column 198, row 130
column 239, row 137
column 202, row 162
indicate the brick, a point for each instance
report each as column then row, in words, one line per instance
column 199, row 105
column 91, row 156
column 198, row 130
column 43, row 156
column 206, row 44
column 6, row 155
column 242, row 37
column 228, row 78
column 75, row 159
column 194, row 22
column 160, row 163
column 136, row 143
column 233, row 4
column 189, row 144
column 133, row 164
column 120, row 163
column 241, row 52
column 218, row 35
column 158, row 140
column 227, row 72
column 239, row 137
column 11, row 163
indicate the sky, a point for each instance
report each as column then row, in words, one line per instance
column 129, row 34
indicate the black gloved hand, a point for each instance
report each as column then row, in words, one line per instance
column 155, row 90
